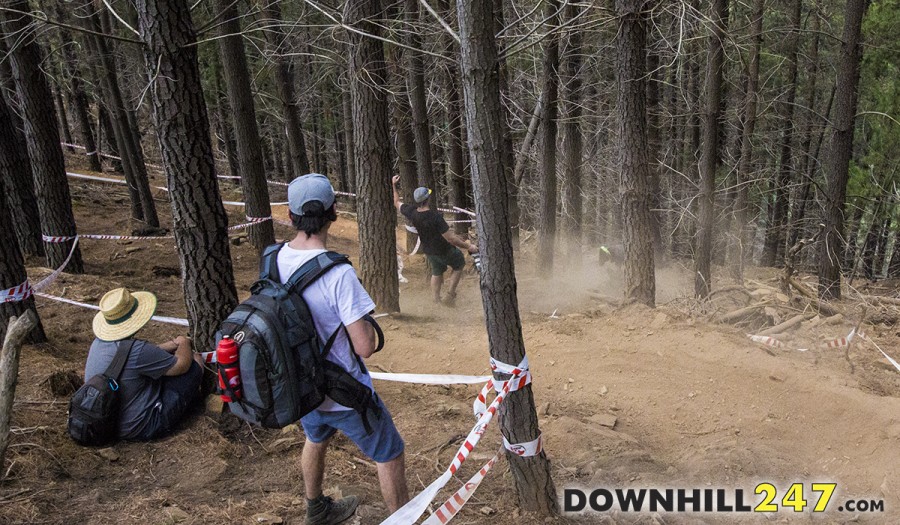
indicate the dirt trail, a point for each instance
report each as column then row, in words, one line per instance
column 695, row 404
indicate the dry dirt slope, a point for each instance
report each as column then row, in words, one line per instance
column 696, row 406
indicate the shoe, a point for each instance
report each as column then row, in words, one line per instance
column 330, row 512
column 450, row 300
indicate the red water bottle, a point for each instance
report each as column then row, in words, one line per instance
column 229, row 371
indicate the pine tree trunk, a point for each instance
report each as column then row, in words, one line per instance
column 509, row 158
column 851, row 244
column 484, row 122
column 894, row 266
column 78, row 97
column 572, row 141
column 227, row 129
column 124, row 126
column 415, row 82
column 655, row 150
column 550, row 89
column 284, row 88
column 16, row 181
column 631, row 48
column 884, row 232
column 249, row 146
column 870, row 245
column 775, row 234
column 377, row 216
column 107, row 132
column 42, row 136
column 61, row 110
column 182, row 126
column 709, row 158
column 349, row 140
column 739, row 241
column 12, row 273
column 806, row 157
column 840, row 148
column 406, row 143
column 455, row 154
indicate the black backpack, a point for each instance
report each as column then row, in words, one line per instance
column 94, row 408
column 283, row 370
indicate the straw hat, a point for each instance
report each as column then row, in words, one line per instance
column 123, row 313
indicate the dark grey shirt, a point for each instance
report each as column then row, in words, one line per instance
column 139, row 383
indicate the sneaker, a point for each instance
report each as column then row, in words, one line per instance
column 331, row 512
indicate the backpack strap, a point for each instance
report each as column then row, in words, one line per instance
column 314, row 268
column 115, row 368
column 268, row 263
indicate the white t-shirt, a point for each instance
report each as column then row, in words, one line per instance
column 335, row 298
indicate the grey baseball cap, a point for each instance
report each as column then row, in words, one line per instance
column 308, row 188
column 421, row 194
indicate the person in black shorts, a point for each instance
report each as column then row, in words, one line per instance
column 440, row 245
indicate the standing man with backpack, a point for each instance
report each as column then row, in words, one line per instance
column 340, row 308
column 440, row 245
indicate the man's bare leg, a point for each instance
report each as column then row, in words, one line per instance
column 455, row 276
column 312, row 462
column 392, row 478
column 436, row 282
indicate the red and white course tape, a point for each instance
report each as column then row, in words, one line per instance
column 766, row 340
column 410, row 512
column 16, row 293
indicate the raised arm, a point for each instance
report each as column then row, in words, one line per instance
column 394, row 180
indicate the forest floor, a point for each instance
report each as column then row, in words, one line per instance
column 692, row 403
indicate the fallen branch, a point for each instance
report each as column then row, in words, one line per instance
column 18, row 330
column 821, row 306
column 787, row 325
column 740, row 313
column 881, row 299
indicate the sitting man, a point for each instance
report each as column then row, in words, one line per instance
column 440, row 245
column 159, row 382
column 337, row 299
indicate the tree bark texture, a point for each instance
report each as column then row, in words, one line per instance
column 839, row 151
column 249, row 146
column 550, row 89
column 631, row 42
column 509, row 158
column 81, row 108
column 415, row 82
column 484, row 122
column 124, row 126
column 78, row 97
column 107, row 132
column 182, row 126
column 375, row 209
column 42, row 136
column 455, row 154
column 811, row 121
column 12, row 273
column 349, row 139
column 16, row 181
column 739, row 240
column 775, row 234
column 572, row 140
column 284, row 88
column 405, row 140
column 709, row 154
column 61, row 110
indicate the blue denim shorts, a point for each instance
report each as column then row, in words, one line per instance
column 382, row 445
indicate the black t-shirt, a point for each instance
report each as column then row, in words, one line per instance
column 431, row 227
